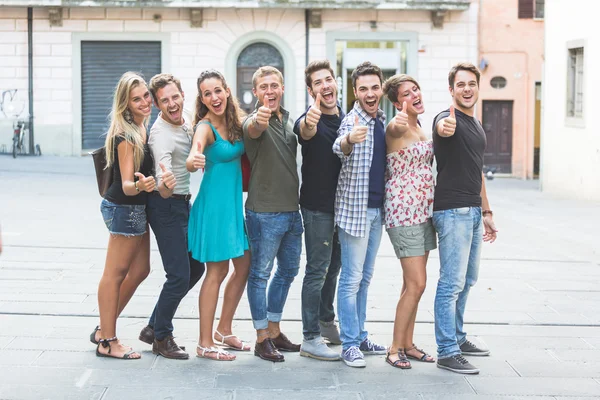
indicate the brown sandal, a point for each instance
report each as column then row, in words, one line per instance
column 401, row 360
column 106, row 343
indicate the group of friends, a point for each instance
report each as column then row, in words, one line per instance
column 358, row 174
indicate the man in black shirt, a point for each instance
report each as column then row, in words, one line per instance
column 461, row 216
column 317, row 130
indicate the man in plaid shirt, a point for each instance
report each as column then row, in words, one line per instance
column 359, row 209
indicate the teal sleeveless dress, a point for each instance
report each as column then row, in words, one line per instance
column 216, row 230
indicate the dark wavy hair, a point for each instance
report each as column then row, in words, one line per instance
column 233, row 112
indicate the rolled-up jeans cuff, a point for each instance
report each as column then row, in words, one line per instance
column 274, row 317
column 260, row 324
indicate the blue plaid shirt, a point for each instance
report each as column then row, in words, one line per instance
column 352, row 195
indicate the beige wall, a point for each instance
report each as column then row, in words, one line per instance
column 191, row 50
column 514, row 49
column 570, row 148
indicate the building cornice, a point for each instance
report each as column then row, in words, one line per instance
column 450, row 5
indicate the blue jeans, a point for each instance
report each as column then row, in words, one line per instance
column 169, row 221
column 460, row 233
column 323, row 262
column 358, row 264
column 272, row 235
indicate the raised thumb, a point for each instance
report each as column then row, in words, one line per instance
column 452, row 112
column 199, row 147
column 139, row 175
column 404, row 107
column 318, row 100
column 162, row 166
column 356, row 120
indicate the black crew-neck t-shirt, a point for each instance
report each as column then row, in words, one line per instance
column 378, row 163
column 459, row 163
column 320, row 166
column 115, row 193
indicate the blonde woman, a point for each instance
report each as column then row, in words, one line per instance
column 408, row 210
column 216, row 232
column 124, row 210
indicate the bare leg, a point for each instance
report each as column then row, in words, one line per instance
column 234, row 290
column 411, row 327
column 120, row 255
column 414, row 285
column 207, row 304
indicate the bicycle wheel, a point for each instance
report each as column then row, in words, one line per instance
column 15, row 145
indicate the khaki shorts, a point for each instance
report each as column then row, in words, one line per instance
column 413, row 241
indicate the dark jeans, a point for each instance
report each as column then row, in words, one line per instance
column 169, row 221
column 323, row 262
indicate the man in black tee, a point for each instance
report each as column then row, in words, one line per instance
column 317, row 130
column 461, row 216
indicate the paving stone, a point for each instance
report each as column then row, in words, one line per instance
column 196, row 376
column 558, row 369
column 535, row 386
column 18, row 357
column 50, row 392
column 276, row 380
column 30, row 343
column 22, row 375
column 402, row 381
column 88, row 359
column 4, row 340
column 129, row 393
column 296, row 395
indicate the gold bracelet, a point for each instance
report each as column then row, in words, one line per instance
column 136, row 186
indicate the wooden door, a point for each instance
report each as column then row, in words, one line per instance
column 498, row 123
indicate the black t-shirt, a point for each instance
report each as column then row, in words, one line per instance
column 377, row 171
column 459, row 163
column 320, row 166
column 115, row 194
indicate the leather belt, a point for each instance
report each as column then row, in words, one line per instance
column 185, row 197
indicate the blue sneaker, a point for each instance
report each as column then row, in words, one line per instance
column 353, row 357
column 369, row 347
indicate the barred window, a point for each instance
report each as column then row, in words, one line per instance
column 575, row 83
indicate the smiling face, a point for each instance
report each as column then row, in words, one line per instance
column 140, row 103
column 368, row 92
column 465, row 91
column 170, row 103
column 410, row 93
column 271, row 86
column 324, row 83
column 214, row 95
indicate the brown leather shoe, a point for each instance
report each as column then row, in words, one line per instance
column 284, row 344
column 169, row 349
column 147, row 336
column 267, row 351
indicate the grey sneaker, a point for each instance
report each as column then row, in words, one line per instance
column 330, row 332
column 468, row 348
column 369, row 347
column 353, row 357
column 457, row 363
column 317, row 348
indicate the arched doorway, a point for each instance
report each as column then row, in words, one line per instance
column 250, row 59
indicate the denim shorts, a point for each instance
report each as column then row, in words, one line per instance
column 413, row 241
column 124, row 219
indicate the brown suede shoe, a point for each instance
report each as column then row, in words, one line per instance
column 284, row 344
column 147, row 336
column 169, row 349
column 267, row 351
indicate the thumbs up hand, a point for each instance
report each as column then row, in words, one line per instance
column 358, row 133
column 314, row 113
column 263, row 115
column 401, row 119
column 146, row 184
column 449, row 123
column 199, row 158
column 168, row 179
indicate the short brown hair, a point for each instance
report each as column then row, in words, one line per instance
column 463, row 66
column 315, row 66
column 159, row 81
column 366, row 68
column 266, row 71
column 392, row 84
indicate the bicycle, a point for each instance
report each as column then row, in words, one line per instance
column 12, row 108
column 20, row 128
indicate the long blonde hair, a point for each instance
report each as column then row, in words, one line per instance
column 119, row 126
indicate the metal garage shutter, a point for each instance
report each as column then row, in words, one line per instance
column 102, row 64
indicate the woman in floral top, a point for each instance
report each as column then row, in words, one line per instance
column 408, row 210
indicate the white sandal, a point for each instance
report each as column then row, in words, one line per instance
column 245, row 346
column 213, row 349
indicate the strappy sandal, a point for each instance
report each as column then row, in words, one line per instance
column 424, row 358
column 106, row 343
column 402, row 362
column 218, row 351
column 245, row 346
column 93, row 335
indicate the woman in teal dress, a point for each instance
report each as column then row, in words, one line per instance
column 216, row 229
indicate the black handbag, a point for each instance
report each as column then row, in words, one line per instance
column 104, row 175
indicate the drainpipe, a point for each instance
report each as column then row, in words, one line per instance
column 30, row 73
column 306, row 33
